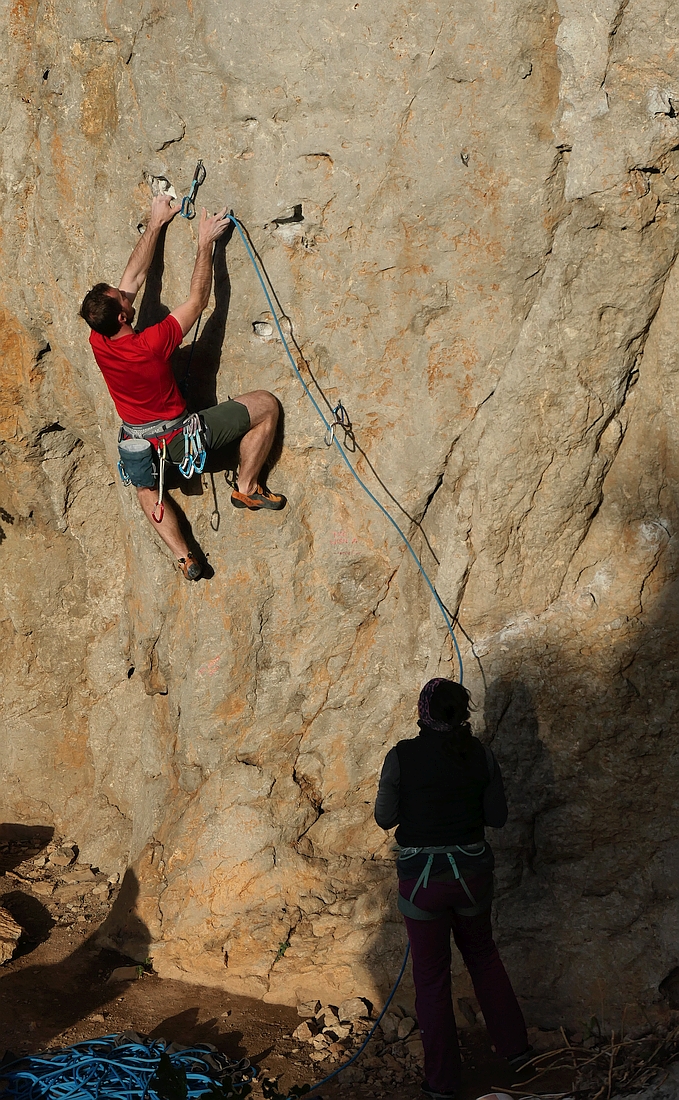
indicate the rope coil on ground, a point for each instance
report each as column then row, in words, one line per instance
column 118, row 1067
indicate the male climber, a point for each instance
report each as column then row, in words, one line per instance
column 136, row 369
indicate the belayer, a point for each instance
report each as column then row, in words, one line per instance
column 156, row 425
column 441, row 788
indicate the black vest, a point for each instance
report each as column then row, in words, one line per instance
column 440, row 791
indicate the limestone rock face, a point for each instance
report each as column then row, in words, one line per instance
column 10, row 934
column 470, row 216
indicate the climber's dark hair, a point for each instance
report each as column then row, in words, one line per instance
column 451, row 703
column 101, row 310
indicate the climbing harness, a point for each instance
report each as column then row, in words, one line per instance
column 155, row 429
column 144, row 438
column 331, row 437
column 479, row 905
column 188, row 209
column 195, row 454
column 159, row 506
column 121, row 1066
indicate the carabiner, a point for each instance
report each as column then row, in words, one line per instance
column 162, row 455
column 341, row 420
column 188, row 209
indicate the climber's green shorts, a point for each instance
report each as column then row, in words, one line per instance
column 225, row 423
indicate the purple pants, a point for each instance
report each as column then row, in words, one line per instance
column 430, row 949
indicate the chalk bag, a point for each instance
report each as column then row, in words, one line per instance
column 137, row 463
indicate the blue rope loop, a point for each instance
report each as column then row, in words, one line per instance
column 330, row 434
column 373, row 1029
column 116, row 1068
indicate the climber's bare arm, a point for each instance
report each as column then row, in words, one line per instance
column 209, row 230
column 139, row 262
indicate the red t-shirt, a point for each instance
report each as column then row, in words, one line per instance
column 136, row 369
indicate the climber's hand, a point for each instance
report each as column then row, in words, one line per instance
column 212, row 226
column 162, row 211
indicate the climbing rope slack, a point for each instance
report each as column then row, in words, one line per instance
column 373, row 1029
column 339, row 414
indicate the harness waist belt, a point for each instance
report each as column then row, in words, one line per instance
column 475, row 849
column 478, row 905
column 157, row 428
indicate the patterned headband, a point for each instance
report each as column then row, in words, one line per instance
column 423, row 706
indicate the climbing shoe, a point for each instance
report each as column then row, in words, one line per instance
column 261, row 498
column 191, row 568
column 434, row 1095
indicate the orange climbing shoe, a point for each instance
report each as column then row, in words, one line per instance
column 261, row 498
column 191, row 568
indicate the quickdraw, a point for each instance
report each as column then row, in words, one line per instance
column 340, row 420
column 215, row 517
column 195, row 454
column 188, row 209
column 162, row 456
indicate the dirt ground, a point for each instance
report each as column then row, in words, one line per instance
column 58, row 994
column 56, row 991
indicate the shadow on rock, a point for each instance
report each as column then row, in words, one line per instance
column 185, row 1027
column 197, row 364
column 35, row 919
column 20, row 842
column 152, row 310
column 45, row 1000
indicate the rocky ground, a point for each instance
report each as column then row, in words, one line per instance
column 59, row 986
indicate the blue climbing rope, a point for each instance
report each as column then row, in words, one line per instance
column 331, row 434
column 373, row 1029
column 116, row 1068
